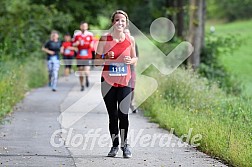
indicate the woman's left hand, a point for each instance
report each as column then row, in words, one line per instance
column 127, row 60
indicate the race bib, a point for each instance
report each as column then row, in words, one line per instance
column 67, row 51
column 84, row 52
column 118, row 69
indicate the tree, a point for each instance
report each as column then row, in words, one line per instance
column 80, row 10
column 180, row 18
column 196, row 30
column 171, row 9
column 24, row 26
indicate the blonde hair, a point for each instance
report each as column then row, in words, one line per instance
column 54, row 32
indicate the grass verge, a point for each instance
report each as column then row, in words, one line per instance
column 183, row 101
column 16, row 78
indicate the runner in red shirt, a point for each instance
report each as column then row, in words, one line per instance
column 116, row 51
column 84, row 42
column 133, row 75
column 67, row 50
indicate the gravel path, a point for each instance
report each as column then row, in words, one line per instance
column 70, row 128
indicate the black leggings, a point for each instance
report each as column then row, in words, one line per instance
column 117, row 101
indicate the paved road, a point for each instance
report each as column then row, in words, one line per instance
column 69, row 128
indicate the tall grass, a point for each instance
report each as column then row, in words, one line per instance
column 183, row 100
column 16, row 78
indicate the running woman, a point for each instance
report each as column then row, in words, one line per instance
column 52, row 48
column 84, row 56
column 133, row 75
column 118, row 49
column 67, row 50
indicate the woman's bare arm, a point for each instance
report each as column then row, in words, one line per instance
column 133, row 51
column 48, row 51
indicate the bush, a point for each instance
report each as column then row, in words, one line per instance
column 211, row 67
column 229, row 9
column 24, row 26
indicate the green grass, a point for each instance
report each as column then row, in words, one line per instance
column 18, row 77
column 183, row 101
column 240, row 61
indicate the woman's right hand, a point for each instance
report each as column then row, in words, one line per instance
column 111, row 54
column 51, row 52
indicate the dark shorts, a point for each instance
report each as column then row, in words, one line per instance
column 84, row 62
column 68, row 61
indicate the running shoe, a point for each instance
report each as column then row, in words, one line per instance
column 82, row 88
column 126, row 151
column 113, row 151
column 135, row 111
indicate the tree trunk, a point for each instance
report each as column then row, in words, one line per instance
column 170, row 4
column 203, row 24
column 180, row 18
column 196, row 31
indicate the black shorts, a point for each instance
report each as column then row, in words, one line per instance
column 68, row 61
column 84, row 62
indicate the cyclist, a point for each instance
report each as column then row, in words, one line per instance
column 52, row 48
